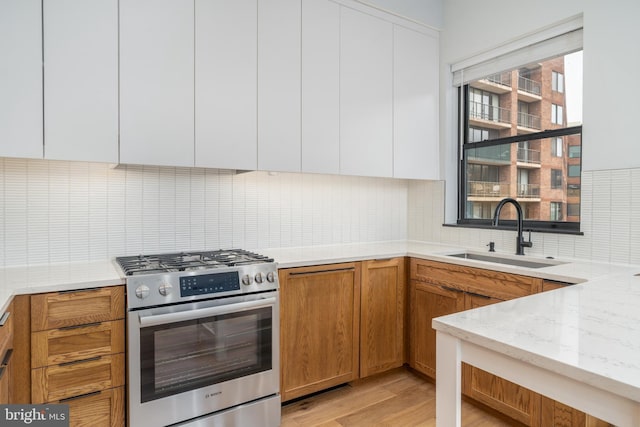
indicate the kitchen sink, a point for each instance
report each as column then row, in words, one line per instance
column 519, row 262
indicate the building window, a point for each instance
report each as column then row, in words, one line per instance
column 573, row 190
column 557, row 81
column 556, row 114
column 556, row 146
column 573, row 209
column 556, row 178
column 574, row 170
column 574, row 151
column 556, row 211
column 499, row 160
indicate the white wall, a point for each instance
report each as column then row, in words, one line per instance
column 611, row 151
column 65, row 211
column 426, row 11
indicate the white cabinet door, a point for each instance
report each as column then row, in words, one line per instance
column 279, row 85
column 157, row 82
column 415, row 105
column 226, row 93
column 366, row 95
column 320, row 86
column 81, row 80
column 21, row 78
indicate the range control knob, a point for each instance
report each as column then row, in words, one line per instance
column 142, row 291
column 247, row 280
column 271, row 277
column 165, row 289
column 259, row 278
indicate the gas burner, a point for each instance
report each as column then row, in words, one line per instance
column 188, row 261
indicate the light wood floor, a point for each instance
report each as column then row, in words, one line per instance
column 398, row 398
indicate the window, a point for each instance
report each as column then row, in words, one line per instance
column 573, row 209
column 574, row 170
column 499, row 160
column 556, row 114
column 556, row 178
column 556, row 146
column 574, row 151
column 557, row 81
column 556, row 211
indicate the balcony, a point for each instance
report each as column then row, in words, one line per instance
column 489, row 116
column 528, row 158
column 529, row 90
column 493, row 155
column 529, row 191
column 528, row 123
column 483, row 190
column 496, row 83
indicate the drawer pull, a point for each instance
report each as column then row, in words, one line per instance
column 75, row 362
column 68, row 399
column 447, row 288
column 2, row 371
column 68, row 291
column 7, row 357
column 479, row 295
column 4, row 318
column 86, row 325
column 311, row 273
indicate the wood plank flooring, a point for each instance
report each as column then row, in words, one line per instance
column 397, row 398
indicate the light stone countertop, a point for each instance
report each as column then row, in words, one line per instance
column 591, row 329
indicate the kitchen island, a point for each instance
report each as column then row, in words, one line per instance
column 579, row 345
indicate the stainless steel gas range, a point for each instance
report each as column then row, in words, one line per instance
column 203, row 339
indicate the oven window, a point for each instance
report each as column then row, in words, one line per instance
column 184, row 356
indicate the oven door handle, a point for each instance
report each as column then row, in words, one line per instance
column 162, row 319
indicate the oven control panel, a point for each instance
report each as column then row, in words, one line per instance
column 209, row 284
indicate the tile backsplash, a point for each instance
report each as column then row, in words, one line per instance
column 65, row 211
column 610, row 221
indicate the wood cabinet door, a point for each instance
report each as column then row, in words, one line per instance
column 319, row 327
column 382, row 316
column 429, row 301
column 65, row 309
column 509, row 398
column 101, row 409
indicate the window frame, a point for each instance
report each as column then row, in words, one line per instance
column 533, row 225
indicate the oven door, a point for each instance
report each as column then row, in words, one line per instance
column 193, row 359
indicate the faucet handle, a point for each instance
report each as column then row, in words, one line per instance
column 528, row 243
column 492, row 246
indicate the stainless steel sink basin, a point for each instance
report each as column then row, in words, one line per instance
column 519, row 262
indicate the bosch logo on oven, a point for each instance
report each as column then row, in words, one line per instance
column 208, row 395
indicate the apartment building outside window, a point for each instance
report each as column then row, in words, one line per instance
column 513, row 147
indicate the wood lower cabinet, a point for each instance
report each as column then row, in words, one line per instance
column 382, row 308
column 77, row 354
column 320, row 327
column 6, row 354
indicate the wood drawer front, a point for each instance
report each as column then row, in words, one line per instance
column 492, row 283
column 101, row 409
column 6, row 333
column 62, row 381
column 57, row 346
column 59, row 310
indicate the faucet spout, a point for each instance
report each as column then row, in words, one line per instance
column 520, row 242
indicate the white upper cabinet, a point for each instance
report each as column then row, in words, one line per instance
column 157, row 82
column 366, row 95
column 81, row 80
column 226, row 84
column 21, row 78
column 320, row 86
column 415, row 104
column 279, row 77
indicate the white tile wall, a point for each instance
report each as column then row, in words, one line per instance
column 610, row 221
column 63, row 211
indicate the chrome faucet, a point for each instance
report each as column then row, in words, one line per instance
column 520, row 243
